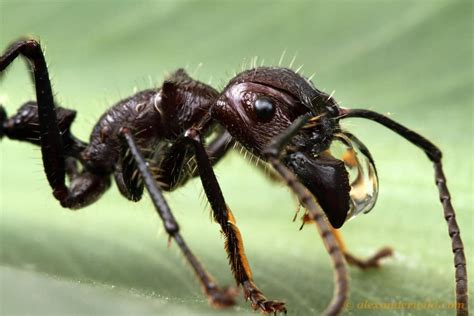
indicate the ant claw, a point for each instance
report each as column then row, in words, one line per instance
column 222, row 297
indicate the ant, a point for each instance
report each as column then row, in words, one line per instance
column 157, row 139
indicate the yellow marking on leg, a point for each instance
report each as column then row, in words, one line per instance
column 240, row 243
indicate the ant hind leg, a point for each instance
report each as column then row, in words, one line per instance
column 44, row 124
column 50, row 138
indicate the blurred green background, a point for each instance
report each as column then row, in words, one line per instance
column 413, row 59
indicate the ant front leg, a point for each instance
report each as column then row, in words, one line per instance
column 219, row 297
column 234, row 242
column 366, row 263
column 315, row 213
column 373, row 261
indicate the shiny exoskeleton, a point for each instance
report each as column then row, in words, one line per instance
column 157, row 117
column 159, row 138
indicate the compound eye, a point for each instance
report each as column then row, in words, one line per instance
column 264, row 108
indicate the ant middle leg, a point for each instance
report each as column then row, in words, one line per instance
column 219, row 297
column 171, row 167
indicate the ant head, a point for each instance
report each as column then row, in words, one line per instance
column 260, row 103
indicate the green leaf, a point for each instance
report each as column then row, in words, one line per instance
column 412, row 59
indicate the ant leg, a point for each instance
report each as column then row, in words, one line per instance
column 127, row 176
column 3, row 118
column 434, row 154
column 217, row 296
column 44, row 124
column 219, row 146
column 215, row 150
column 315, row 213
column 371, row 262
column 233, row 239
column 50, row 137
column 85, row 187
column 24, row 126
column 178, row 164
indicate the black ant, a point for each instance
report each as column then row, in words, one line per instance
column 156, row 140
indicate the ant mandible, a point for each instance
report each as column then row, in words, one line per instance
column 155, row 139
